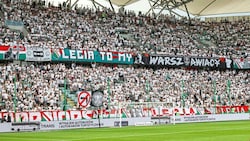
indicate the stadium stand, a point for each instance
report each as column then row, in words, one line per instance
column 60, row 28
column 38, row 85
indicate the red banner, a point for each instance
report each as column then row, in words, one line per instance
column 115, row 113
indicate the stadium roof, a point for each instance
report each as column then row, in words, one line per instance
column 123, row 2
column 215, row 7
column 203, row 7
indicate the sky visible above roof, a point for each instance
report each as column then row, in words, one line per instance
column 196, row 7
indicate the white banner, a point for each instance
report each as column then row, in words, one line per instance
column 211, row 118
column 94, row 123
column 38, row 54
column 91, row 123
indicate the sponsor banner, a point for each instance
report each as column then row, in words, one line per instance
column 210, row 118
column 70, row 124
column 122, row 123
column 5, row 127
column 25, row 126
column 92, row 123
column 242, row 63
column 70, row 55
column 79, row 124
column 12, row 53
column 38, row 54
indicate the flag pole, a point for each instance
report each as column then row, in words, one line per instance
column 109, row 100
column 147, row 91
column 64, row 99
column 15, row 98
column 182, row 93
column 28, row 86
column 228, row 91
column 214, row 86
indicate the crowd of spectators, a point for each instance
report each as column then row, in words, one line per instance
column 36, row 87
column 92, row 29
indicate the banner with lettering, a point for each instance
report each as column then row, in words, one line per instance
column 115, row 113
column 184, row 61
column 69, row 55
column 12, row 52
column 232, row 109
column 38, row 54
column 160, row 60
column 209, row 62
column 167, row 60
